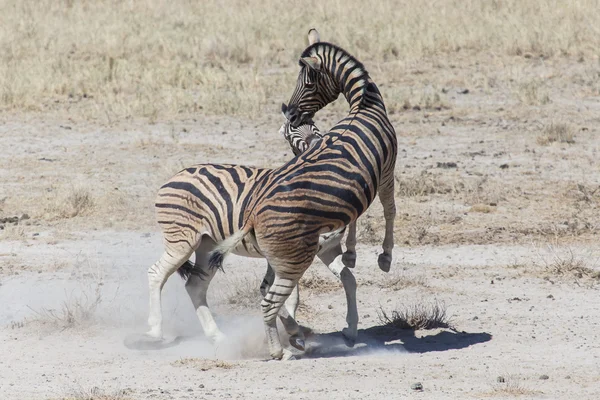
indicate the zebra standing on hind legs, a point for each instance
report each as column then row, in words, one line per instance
column 328, row 186
column 202, row 205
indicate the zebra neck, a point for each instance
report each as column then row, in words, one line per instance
column 347, row 73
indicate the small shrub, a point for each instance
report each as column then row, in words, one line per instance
column 96, row 393
column 532, row 93
column 556, row 133
column 317, row 283
column 244, row 292
column 417, row 316
column 202, row 364
column 400, row 280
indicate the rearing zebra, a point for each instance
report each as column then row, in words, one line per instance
column 325, row 188
column 202, row 205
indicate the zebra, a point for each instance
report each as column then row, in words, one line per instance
column 300, row 139
column 325, row 188
column 202, row 205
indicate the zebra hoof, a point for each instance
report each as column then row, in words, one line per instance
column 297, row 343
column 349, row 259
column 349, row 340
column 288, row 356
column 385, row 262
column 147, row 342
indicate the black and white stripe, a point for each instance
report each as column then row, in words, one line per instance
column 328, row 186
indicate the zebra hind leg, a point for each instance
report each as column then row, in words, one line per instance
column 158, row 274
column 271, row 305
column 287, row 313
column 349, row 257
column 197, row 288
column 333, row 258
column 386, row 195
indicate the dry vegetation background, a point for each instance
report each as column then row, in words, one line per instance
column 111, row 60
column 497, row 108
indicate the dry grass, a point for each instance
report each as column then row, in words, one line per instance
column 70, row 202
column 417, row 316
column 317, row 283
column 511, row 385
column 79, row 307
column 422, row 184
column 557, row 133
column 399, row 280
column 244, row 292
column 95, row 393
column 533, row 93
column 568, row 265
column 203, row 364
column 114, row 60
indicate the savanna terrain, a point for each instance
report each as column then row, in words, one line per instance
column 493, row 292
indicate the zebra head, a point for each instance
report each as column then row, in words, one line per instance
column 315, row 88
column 302, row 137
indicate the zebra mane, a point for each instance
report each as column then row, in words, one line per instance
column 328, row 50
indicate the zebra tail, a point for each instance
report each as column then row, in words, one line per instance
column 215, row 257
column 188, row 269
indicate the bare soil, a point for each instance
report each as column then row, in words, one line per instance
column 497, row 220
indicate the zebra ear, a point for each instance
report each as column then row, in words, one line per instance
column 311, row 62
column 313, row 37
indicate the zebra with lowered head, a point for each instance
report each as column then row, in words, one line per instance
column 329, row 185
column 204, row 204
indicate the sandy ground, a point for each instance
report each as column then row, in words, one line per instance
column 506, row 240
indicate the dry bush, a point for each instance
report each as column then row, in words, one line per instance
column 318, row 284
column 557, row 133
column 12, row 232
column 533, row 93
column 96, row 393
column 417, row 316
column 399, row 280
column 568, row 265
column 511, row 385
column 141, row 58
column 203, row 364
column 244, row 291
column 78, row 309
column 424, row 183
column 71, row 202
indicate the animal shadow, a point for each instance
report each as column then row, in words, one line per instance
column 383, row 339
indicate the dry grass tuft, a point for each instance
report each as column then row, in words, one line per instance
column 533, row 93
column 399, row 280
column 76, row 201
column 203, row 364
column 512, row 386
column 96, row 393
column 79, row 308
column 569, row 265
column 557, row 133
column 318, row 284
column 422, row 184
column 244, row 292
column 416, row 316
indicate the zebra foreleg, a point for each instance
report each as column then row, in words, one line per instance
column 158, row 274
column 386, row 196
column 349, row 257
column 333, row 258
